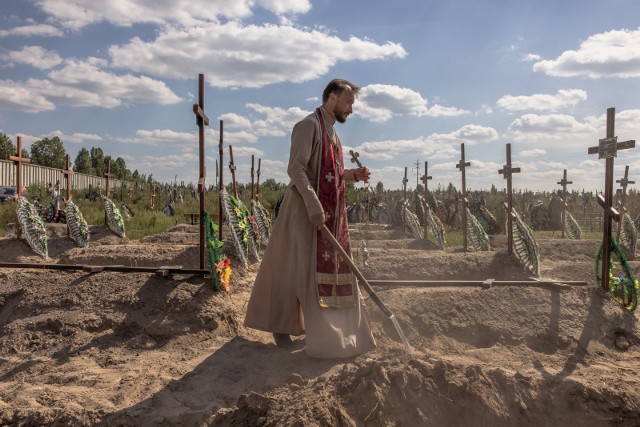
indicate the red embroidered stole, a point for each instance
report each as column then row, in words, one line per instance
column 334, row 279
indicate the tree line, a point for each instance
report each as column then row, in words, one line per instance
column 50, row 152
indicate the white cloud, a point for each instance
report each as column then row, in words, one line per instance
column 536, row 152
column 232, row 120
column 543, row 102
column 379, row 103
column 530, row 57
column 611, row 54
column 234, row 55
column 42, row 30
column 278, row 121
column 76, row 14
column 549, row 129
column 36, row 56
column 75, row 138
column 23, row 96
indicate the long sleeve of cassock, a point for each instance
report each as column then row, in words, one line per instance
column 305, row 141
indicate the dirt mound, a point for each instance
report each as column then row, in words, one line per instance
column 135, row 349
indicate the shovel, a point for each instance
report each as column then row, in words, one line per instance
column 367, row 286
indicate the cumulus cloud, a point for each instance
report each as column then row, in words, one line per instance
column 277, row 121
column 536, row 152
column 35, row 56
column 76, row 14
column 543, row 102
column 42, row 30
column 235, row 55
column 551, row 128
column 75, row 138
column 611, row 54
column 379, row 103
column 531, row 57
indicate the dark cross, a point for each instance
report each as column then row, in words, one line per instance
column 404, row 193
column 232, row 167
column 201, row 121
column 220, row 181
column 258, row 183
column 462, row 165
column 354, row 158
column 252, row 183
column 67, row 177
column 624, row 182
column 564, row 183
column 425, row 179
column 107, row 174
column 607, row 149
column 507, row 171
column 18, row 160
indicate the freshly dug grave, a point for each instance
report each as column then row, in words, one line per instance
column 135, row 349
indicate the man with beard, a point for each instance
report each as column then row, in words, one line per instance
column 302, row 286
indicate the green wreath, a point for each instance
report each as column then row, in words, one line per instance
column 623, row 288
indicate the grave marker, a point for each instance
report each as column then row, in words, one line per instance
column 564, row 183
column 201, row 120
column 18, row 160
column 608, row 149
column 507, row 171
column 462, row 165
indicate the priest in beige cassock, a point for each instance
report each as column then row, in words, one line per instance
column 302, row 286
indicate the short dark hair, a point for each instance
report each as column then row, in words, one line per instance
column 338, row 86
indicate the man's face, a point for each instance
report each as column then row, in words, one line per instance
column 343, row 104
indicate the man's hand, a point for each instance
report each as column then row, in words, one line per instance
column 362, row 174
column 317, row 220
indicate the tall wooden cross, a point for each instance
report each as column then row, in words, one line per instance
column 624, row 182
column 507, row 171
column 462, row 165
column 18, row 160
column 201, row 121
column 608, row 149
column 232, row 168
column 258, row 183
column 220, row 181
column 252, row 183
column 67, row 177
column 404, row 193
column 106, row 175
column 425, row 179
column 564, row 183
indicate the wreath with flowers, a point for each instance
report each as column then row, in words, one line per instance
column 623, row 288
column 219, row 263
column 33, row 227
column 114, row 217
column 263, row 221
column 243, row 227
column 78, row 228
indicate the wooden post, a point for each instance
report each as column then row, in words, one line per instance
column 252, row 173
column 462, row 165
column 18, row 160
column 201, row 121
column 507, row 171
column 564, row 183
column 404, row 195
column 425, row 179
column 67, row 177
column 258, row 183
column 107, row 174
column 624, row 182
column 220, row 182
column 232, row 168
column 607, row 149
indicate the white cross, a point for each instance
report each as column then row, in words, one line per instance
column 327, row 215
column 326, row 256
column 330, row 177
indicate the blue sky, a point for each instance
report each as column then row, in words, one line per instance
column 123, row 75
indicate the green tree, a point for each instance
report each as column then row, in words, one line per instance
column 82, row 164
column 98, row 161
column 136, row 175
column 49, row 152
column 6, row 147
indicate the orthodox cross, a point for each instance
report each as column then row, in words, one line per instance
column 462, row 165
column 624, row 182
column 232, row 167
column 201, row 121
column 607, row 149
column 507, row 171
column 354, row 158
column 67, row 177
column 220, row 181
column 252, row 173
column 425, row 178
column 258, row 183
column 18, row 160
column 564, row 183
column 107, row 174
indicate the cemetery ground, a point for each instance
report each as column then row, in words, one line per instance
column 135, row 349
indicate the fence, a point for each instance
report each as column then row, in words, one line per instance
column 42, row 175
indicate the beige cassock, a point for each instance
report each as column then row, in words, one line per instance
column 284, row 297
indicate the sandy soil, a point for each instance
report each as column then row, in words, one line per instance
column 136, row 349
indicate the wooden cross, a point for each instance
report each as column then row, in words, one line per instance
column 607, row 149
column 18, row 160
column 354, row 158
column 564, row 183
column 201, row 121
column 252, row 173
column 404, row 184
column 462, row 165
column 507, row 171
column 624, row 182
column 232, row 167
column 425, row 179
column 67, row 177
column 220, row 181
column 258, row 183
